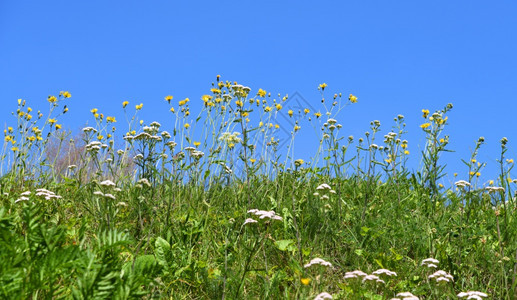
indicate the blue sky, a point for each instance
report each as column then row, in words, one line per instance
column 398, row 57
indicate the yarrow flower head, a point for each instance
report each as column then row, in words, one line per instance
column 472, row 295
column 318, row 261
column 323, row 296
column 265, row 214
column 441, row 275
column 462, row 183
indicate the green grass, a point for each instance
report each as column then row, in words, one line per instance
column 172, row 226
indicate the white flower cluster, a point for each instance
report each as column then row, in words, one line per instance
column 493, row 189
column 95, row 146
column 263, row 214
column 355, row 274
column 323, row 191
column 441, row 275
column 385, row 272
column 230, row 138
column 318, row 261
column 48, row 195
column 430, row 263
column 462, row 183
column 323, row 296
column 472, row 295
column 405, row 296
column 373, row 277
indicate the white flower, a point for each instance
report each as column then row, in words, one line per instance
column 144, row 181
column 492, row 189
column 155, row 124
column 109, row 196
column 384, row 271
column 107, row 183
column 332, row 121
column 166, row 135
column 88, row 129
column 323, row 186
column 441, row 275
column 355, row 274
column 472, row 294
column 27, row 193
column 462, row 183
column 249, row 220
column 430, row 262
column 98, row 193
column 323, row 296
column 265, row 214
column 22, row 198
column 318, row 261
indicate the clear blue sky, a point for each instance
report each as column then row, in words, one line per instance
column 398, row 57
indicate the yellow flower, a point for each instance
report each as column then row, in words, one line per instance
column 51, row 99
column 29, row 109
column 96, row 115
column 299, row 162
column 478, row 174
column 100, row 137
column 58, row 126
column 252, row 160
column 260, row 124
column 471, row 173
column 52, row 121
column 406, row 152
column 473, row 160
column 239, row 103
column 510, row 161
column 139, row 106
column 187, row 125
column 215, row 91
column 172, row 109
column 8, row 138
column 65, row 94
column 455, row 174
column 278, row 106
column 10, row 129
column 20, row 101
column 261, row 93
column 133, row 132
column 197, row 144
column 425, row 113
column 267, row 109
column 290, row 113
column 231, row 145
column 205, row 98
column 296, row 128
column 124, row 104
column 277, row 126
column 31, row 138
column 442, row 140
column 352, row 98
column 168, row 98
column 306, row 111
column 322, row 86
column 305, row 281
column 425, row 125
column 141, row 122
column 318, row 114
column 14, row 149
column 491, row 182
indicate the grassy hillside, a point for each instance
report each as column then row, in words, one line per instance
column 213, row 209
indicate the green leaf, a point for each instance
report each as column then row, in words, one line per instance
column 284, row 245
column 161, row 251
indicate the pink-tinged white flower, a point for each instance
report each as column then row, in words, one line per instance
column 27, row 193
column 355, row 274
column 373, row 278
column 265, row 214
column 405, row 296
column 493, row 189
column 249, row 220
column 384, row 271
column 318, row 261
column 323, row 296
column 441, row 275
column 472, row 295
column 47, row 194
